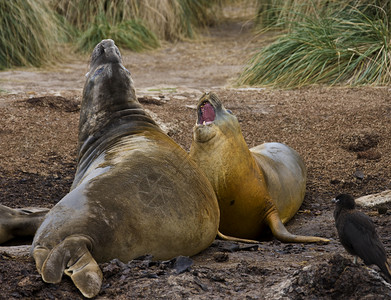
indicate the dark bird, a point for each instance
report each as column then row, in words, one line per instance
column 357, row 234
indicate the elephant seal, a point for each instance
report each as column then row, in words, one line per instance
column 257, row 187
column 135, row 191
column 20, row 222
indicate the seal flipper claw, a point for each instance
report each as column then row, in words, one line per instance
column 282, row 234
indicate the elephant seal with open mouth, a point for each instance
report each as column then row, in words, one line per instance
column 257, row 187
column 135, row 191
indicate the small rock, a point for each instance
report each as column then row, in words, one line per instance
column 228, row 246
column 359, row 175
column 182, row 264
column 335, row 181
column 370, row 154
column 382, row 210
column 178, row 97
column 200, row 284
column 375, row 199
column 221, row 257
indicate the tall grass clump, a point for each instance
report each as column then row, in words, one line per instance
column 166, row 19
column 349, row 47
column 286, row 13
column 29, row 33
column 130, row 34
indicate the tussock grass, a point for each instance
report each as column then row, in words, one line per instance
column 286, row 13
column 30, row 30
column 346, row 47
column 29, row 33
column 126, row 34
column 167, row 19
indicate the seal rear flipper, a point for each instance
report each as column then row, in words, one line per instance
column 235, row 239
column 86, row 275
column 72, row 257
column 19, row 222
column 282, row 234
column 40, row 254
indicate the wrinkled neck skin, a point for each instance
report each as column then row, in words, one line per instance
column 215, row 151
column 220, row 150
column 109, row 108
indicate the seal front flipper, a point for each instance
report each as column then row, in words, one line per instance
column 282, row 234
column 72, row 257
column 20, row 222
column 235, row 239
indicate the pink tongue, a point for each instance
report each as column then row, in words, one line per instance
column 208, row 113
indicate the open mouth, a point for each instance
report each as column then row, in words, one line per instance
column 206, row 113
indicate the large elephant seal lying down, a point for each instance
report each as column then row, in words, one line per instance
column 257, row 187
column 135, row 191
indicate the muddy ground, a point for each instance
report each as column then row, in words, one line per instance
column 342, row 133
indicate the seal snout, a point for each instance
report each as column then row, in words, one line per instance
column 106, row 52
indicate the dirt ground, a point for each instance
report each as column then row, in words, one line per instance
column 342, row 133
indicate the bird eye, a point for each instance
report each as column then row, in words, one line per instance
column 230, row 112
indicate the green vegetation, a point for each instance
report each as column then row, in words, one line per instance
column 135, row 24
column 349, row 45
column 29, row 33
column 33, row 30
column 286, row 13
column 126, row 34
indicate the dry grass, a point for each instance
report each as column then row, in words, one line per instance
column 29, row 34
column 349, row 46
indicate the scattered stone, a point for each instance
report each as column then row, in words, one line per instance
column 228, row 246
column 370, row 154
column 359, row 175
column 182, row 264
column 359, row 141
column 221, row 257
column 55, row 102
column 382, row 210
column 14, row 251
column 159, row 100
column 200, row 284
column 178, row 97
column 338, row 278
column 374, row 199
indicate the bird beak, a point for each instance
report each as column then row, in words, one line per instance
column 334, row 200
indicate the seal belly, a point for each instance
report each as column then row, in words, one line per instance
column 285, row 176
column 242, row 199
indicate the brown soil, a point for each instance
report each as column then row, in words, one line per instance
column 342, row 133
